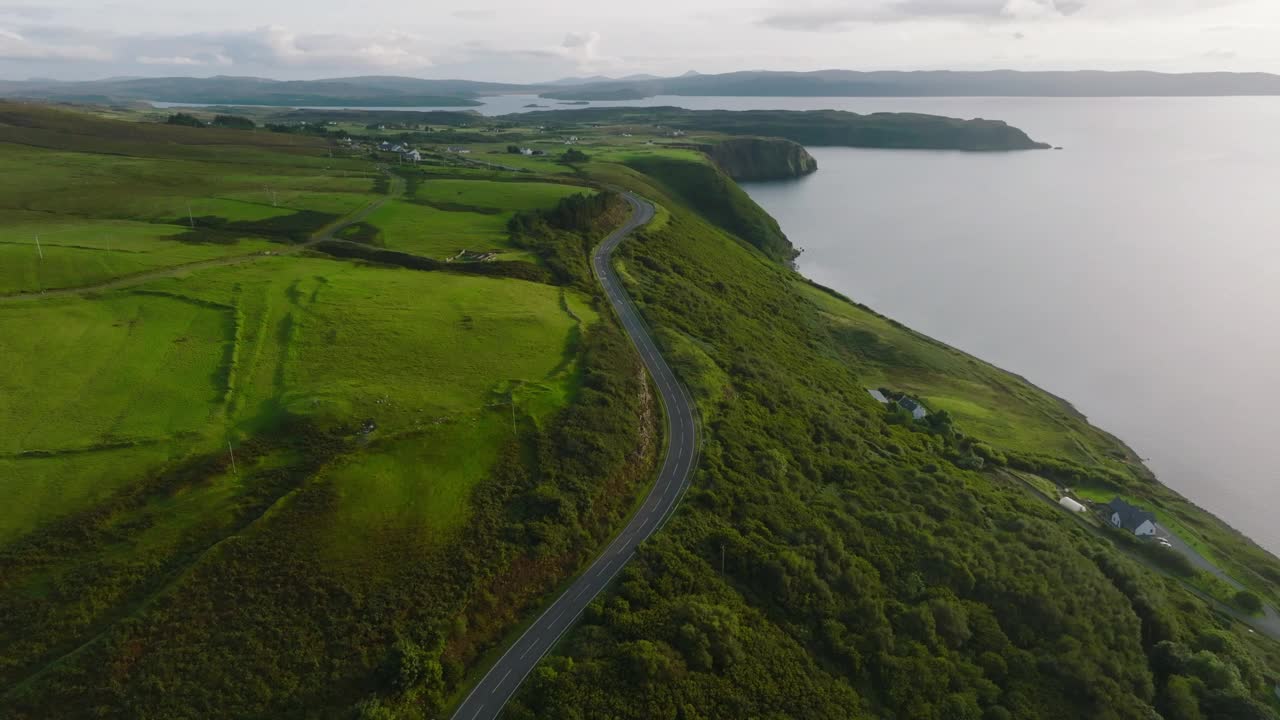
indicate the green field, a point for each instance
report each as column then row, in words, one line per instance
column 107, row 387
column 499, row 196
column 439, row 234
column 986, row 403
column 445, row 216
column 103, row 211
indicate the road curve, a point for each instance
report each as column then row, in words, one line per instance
column 493, row 691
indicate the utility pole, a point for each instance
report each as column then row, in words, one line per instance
column 190, row 218
column 233, row 459
column 38, row 248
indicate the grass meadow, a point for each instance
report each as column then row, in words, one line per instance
column 187, row 364
column 99, row 216
column 985, row 402
column 105, row 390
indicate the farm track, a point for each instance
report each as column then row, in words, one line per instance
column 325, row 233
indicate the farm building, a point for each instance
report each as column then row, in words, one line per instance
column 1131, row 518
column 1071, row 504
column 912, row 406
column 909, row 404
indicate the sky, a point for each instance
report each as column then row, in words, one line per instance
column 519, row 41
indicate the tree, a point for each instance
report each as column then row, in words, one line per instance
column 237, row 122
column 1178, row 700
column 1248, row 602
column 185, row 119
column 574, row 156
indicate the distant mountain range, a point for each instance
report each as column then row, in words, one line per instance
column 390, row 91
column 848, row 83
column 371, row 91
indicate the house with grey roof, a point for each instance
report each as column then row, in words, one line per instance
column 1131, row 517
column 909, row 404
column 912, row 406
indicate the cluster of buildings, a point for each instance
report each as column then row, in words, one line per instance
column 406, row 153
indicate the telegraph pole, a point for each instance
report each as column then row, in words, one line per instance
column 233, row 459
column 38, row 248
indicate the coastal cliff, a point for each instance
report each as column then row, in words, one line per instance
column 747, row 159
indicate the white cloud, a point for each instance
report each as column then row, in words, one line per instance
column 838, row 17
column 175, row 60
column 15, row 46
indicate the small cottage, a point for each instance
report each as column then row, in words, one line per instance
column 1131, row 518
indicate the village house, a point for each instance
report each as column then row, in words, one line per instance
column 1132, row 518
column 918, row 411
column 912, row 406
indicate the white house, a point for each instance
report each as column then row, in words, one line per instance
column 915, row 408
column 918, row 411
column 1071, row 504
column 412, row 156
column 1134, row 519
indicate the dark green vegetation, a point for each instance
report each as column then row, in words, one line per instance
column 836, row 560
column 753, row 159
column 720, row 200
column 848, row 83
column 435, row 421
column 818, row 127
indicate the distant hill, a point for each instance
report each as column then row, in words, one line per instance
column 848, row 83
column 393, row 91
column 569, row 81
column 813, row 127
column 224, row 90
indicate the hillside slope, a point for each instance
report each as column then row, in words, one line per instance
column 835, row 560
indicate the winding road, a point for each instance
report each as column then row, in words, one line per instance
column 493, row 691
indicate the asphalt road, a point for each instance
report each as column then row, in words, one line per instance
column 491, row 694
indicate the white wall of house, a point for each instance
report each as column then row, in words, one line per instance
column 1146, row 528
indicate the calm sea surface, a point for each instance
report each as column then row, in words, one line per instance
column 1135, row 273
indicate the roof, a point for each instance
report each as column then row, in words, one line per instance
column 1071, row 503
column 1131, row 517
column 908, row 403
column 879, row 396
